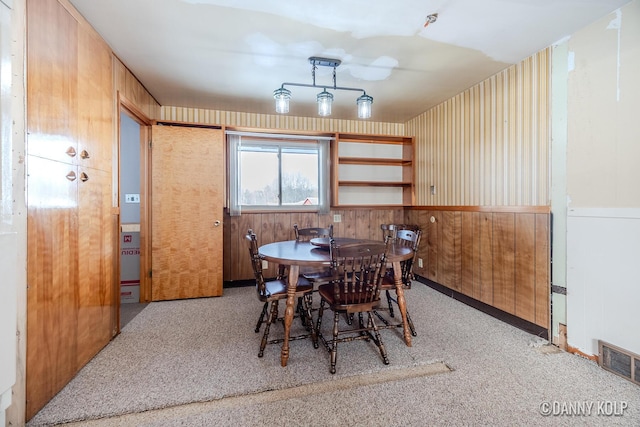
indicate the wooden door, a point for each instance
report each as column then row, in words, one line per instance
column 187, row 181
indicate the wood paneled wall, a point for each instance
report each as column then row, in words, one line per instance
column 71, row 298
column 489, row 145
column 272, row 227
column 123, row 80
column 499, row 256
column 273, row 121
column 71, row 308
column 130, row 87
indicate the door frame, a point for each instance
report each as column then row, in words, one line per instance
column 130, row 109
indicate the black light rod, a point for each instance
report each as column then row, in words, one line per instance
column 324, row 87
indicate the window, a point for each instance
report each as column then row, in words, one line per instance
column 277, row 172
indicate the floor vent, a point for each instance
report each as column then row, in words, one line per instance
column 619, row 361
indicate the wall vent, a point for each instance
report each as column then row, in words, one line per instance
column 619, row 361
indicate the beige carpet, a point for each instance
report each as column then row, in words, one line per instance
column 194, row 363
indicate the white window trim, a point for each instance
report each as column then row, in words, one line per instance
column 234, row 140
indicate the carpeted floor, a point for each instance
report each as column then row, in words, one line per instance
column 194, row 362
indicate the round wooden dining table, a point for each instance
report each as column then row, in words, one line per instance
column 315, row 253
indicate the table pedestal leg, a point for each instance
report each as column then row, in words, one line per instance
column 292, row 281
column 397, row 277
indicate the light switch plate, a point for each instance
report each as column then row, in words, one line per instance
column 132, row 198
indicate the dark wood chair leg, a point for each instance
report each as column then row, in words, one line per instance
column 319, row 321
column 310, row 326
column 334, row 344
column 378, row 340
column 411, row 327
column 272, row 318
column 389, row 302
column 261, row 318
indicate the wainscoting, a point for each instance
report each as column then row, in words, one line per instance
column 499, row 256
column 272, row 227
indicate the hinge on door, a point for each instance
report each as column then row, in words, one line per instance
column 149, row 273
column 150, row 144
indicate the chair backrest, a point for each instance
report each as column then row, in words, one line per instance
column 304, row 234
column 256, row 263
column 412, row 227
column 388, row 231
column 359, row 269
column 410, row 239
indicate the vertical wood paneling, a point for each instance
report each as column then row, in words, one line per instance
column 470, row 254
column 95, row 290
column 449, row 251
column 131, row 88
column 489, row 145
column 542, row 267
column 349, row 220
column 52, row 274
column 486, row 258
column 499, row 258
column 525, row 305
column 434, row 238
column 52, row 76
column 71, row 300
column 504, row 261
column 269, row 121
column 272, row 227
column 240, row 257
column 95, row 101
column 362, row 223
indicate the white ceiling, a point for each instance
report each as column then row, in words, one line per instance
column 232, row 54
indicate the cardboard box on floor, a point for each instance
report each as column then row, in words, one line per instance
column 129, row 267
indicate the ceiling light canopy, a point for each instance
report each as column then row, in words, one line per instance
column 324, row 98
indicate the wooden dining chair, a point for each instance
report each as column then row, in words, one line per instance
column 404, row 237
column 315, row 275
column 358, row 270
column 272, row 291
column 306, row 234
column 388, row 231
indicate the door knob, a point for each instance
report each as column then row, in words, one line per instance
column 216, row 223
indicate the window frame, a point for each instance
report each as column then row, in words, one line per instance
column 234, row 141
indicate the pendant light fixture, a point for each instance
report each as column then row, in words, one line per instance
column 282, row 97
column 324, row 98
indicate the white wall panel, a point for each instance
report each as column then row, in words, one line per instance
column 603, row 291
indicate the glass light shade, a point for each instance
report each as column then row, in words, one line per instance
column 282, row 97
column 324, row 103
column 364, row 106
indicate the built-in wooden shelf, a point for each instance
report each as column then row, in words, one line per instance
column 374, row 158
column 374, row 161
column 374, row 184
